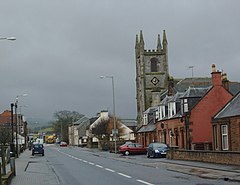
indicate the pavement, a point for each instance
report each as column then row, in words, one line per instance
column 36, row 169
column 33, row 170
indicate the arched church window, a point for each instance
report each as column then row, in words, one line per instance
column 154, row 62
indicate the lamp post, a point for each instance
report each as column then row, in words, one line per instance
column 12, row 105
column 12, row 130
column 16, row 120
column 114, row 119
column 61, row 131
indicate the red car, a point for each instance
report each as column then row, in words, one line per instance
column 63, row 144
column 132, row 148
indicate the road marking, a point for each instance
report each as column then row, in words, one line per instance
column 99, row 166
column 144, row 182
column 85, row 161
column 124, row 175
column 109, row 170
column 91, row 163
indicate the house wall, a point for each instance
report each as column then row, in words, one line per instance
column 201, row 114
column 145, row 138
column 235, row 134
column 174, row 126
column 219, row 157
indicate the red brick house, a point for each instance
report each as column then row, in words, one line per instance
column 198, row 119
column 183, row 119
column 226, row 126
column 5, row 118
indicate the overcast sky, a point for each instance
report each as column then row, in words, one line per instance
column 63, row 46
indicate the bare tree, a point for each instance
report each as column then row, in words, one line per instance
column 5, row 139
column 103, row 131
column 63, row 119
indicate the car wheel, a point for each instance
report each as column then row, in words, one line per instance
column 42, row 154
column 32, row 154
column 148, row 155
column 126, row 152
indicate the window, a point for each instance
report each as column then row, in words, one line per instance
column 224, row 132
column 162, row 112
column 215, row 137
column 145, row 121
column 157, row 113
column 185, row 105
column 171, row 109
column 154, row 64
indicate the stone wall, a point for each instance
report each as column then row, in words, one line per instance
column 219, row 157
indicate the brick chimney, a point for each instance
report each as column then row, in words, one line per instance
column 225, row 81
column 216, row 76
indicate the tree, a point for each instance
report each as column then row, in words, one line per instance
column 63, row 119
column 103, row 131
column 5, row 139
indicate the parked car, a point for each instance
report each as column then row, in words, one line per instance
column 63, row 144
column 157, row 150
column 38, row 149
column 132, row 148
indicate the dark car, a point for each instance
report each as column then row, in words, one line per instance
column 157, row 150
column 132, row 148
column 38, row 149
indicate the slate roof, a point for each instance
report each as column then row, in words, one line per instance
column 195, row 92
column 184, row 84
column 232, row 108
column 176, row 97
column 150, row 110
column 234, row 87
column 129, row 122
column 147, row 128
column 166, row 100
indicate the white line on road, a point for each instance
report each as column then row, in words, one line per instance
column 85, row 161
column 99, row 166
column 144, row 182
column 124, row 175
column 109, row 170
column 91, row 163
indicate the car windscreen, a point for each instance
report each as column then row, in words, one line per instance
column 38, row 146
column 159, row 145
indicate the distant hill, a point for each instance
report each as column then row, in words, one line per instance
column 38, row 122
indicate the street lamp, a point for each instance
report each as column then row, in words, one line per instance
column 16, row 120
column 12, row 129
column 8, row 38
column 114, row 119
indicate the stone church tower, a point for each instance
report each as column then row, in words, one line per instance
column 151, row 74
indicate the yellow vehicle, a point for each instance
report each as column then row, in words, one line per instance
column 50, row 139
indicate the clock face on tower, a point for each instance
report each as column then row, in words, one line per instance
column 154, row 81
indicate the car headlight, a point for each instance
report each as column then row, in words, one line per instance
column 157, row 151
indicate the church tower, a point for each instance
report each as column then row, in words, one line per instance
column 151, row 74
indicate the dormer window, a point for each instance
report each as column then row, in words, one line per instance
column 185, row 105
column 145, row 119
column 171, row 109
column 162, row 112
column 157, row 113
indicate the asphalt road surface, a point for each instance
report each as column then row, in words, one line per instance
column 79, row 166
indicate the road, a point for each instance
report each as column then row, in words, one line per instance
column 78, row 166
